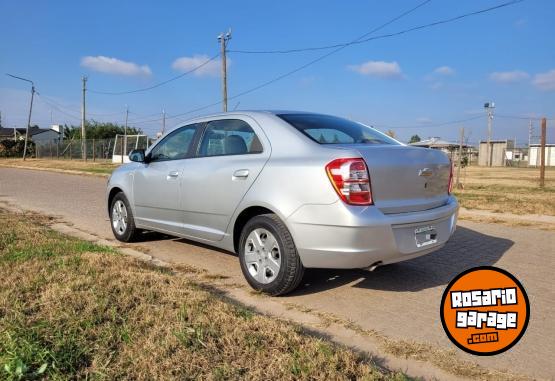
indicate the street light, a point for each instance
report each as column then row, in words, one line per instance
column 30, row 110
column 489, row 106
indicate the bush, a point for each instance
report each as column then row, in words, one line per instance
column 14, row 148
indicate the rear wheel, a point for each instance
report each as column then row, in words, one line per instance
column 268, row 256
column 121, row 219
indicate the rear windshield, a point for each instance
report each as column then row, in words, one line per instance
column 326, row 129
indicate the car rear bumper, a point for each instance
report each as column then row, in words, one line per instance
column 343, row 236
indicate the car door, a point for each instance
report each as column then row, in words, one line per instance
column 230, row 155
column 157, row 184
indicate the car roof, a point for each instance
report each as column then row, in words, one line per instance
column 253, row 112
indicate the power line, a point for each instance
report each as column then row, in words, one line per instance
column 51, row 104
column 361, row 41
column 158, row 84
column 520, row 117
column 342, row 46
column 430, row 125
column 291, row 72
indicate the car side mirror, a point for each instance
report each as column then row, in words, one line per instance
column 137, row 155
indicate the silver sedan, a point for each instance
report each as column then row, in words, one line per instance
column 287, row 191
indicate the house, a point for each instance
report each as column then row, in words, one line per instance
column 450, row 148
column 10, row 133
column 498, row 152
column 36, row 134
column 535, row 155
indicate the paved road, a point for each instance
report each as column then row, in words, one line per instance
column 400, row 301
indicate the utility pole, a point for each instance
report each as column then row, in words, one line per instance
column 489, row 106
column 83, row 131
column 163, row 121
column 542, row 159
column 458, row 184
column 223, row 38
column 30, row 111
column 529, row 134
column 124, row 143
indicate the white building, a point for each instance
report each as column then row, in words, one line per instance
column 534, row 155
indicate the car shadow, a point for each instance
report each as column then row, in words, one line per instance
column 152, row 236
column 466, row 249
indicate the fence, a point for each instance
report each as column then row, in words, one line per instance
column 97, row 149
column 124, row 144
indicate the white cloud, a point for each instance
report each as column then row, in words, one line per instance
column 444, row 70
column 545, row 81
column 112, row 65
column 380, row 69
column 211, row 68
column 509, row 76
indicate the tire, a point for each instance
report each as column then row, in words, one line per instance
column 124, row 230
column 274, row 272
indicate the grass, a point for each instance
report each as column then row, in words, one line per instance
column 72, row 309
column 102, row 167
column 507, row 190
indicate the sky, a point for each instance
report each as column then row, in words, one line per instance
column 429, row 82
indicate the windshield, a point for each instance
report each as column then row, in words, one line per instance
column 326, row 129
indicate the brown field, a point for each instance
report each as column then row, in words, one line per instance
column 507, row 190
column 72, row 309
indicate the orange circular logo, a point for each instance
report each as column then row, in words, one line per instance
column 485, row 310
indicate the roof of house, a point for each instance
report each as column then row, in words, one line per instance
column 6, row 131
column 32, row 131
column 436, row 143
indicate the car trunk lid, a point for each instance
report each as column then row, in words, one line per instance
column 406, row 179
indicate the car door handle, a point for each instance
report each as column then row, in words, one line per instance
column 240, row 174
column 173, row 174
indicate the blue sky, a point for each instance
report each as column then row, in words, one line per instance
column 409, row 83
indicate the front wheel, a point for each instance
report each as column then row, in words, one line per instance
column 121, row 219
column 268, row 256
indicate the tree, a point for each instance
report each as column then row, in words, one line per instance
column 414, row 139
column 99, row 130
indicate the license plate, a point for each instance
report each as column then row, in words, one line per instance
column 425, row 235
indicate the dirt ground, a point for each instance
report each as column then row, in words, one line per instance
column 507, row 190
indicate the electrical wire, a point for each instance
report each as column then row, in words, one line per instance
column 291, row 72
column 51, row 104
column 158, row 84
column 343, row 46
column 430, row 125
column 364, row 40
column 59, row 106
column 519, row 117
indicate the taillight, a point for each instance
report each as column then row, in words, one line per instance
column 350, row 179
column 450, row 186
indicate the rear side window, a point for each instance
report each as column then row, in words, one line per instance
column 229, row 137
column 326, row 129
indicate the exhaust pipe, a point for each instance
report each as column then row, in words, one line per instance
column 374, row 266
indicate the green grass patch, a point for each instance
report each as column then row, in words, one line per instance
column 70, row 309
